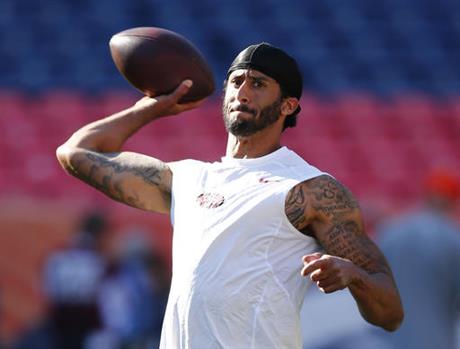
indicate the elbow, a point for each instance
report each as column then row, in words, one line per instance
column 396, row 323
column 66, row 156
column 393, row 321
column 388, row 318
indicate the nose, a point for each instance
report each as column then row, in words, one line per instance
column 243, row 93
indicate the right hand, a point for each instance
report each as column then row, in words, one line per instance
column 166, row 105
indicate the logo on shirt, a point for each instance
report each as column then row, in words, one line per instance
column 210, row 200
column 268, row 180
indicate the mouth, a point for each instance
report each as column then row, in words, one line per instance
column 240, row 112
column 243, row 110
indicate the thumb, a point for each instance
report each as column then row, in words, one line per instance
column 311, row 257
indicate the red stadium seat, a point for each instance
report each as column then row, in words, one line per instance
column 362, row 114
column 319, row 118
column 113, row 101
column 417, row 113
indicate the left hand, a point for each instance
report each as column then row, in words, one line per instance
column 331, row 273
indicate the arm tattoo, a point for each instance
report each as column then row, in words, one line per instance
column 324, row 208
column 348, row 240
column 295, row 207
column 150, row 175
column 108, row 173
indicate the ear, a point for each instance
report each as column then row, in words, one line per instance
column 289, row 105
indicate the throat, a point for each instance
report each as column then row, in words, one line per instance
column 250, row 147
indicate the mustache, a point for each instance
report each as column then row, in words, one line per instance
column 244, row 108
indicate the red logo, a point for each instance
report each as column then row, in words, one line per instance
column 267, row 180
column 210, row 200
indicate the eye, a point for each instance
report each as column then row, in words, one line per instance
column 236, row 81
column 258, row 83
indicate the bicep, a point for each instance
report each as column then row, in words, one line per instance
column 332, row 215
column 347, row 239
column 134, row 179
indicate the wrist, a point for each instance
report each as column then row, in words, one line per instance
column 358, row 278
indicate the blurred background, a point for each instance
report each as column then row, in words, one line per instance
column 380, row 112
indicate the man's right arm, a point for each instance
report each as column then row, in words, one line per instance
column 93, row 154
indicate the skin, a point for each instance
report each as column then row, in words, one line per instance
column 93, row 154
column 324, row 209
column 321, row 207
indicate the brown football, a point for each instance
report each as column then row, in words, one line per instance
column 156, row 61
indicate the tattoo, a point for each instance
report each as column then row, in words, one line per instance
column 325, row 209
column 109, row 174
column 295, row 207
column 149, row 175
column 347, row 240
column 331, row 197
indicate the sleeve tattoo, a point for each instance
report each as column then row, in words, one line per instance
column 325, row 209
column 110, row 173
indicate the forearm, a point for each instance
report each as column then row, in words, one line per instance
column 324, row 208
column 378, row 300
column 108, row 135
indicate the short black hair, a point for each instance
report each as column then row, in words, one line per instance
column 273, row 62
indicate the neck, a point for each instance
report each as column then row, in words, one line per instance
column 254, row 146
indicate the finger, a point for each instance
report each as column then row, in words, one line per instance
column 329, row 281
column 311, row 257
column 182, row 89
column 321, row 274
column 313, row 265
column 330, row 287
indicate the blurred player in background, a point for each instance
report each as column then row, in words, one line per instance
column 132, row 297
column 72, row 277
column 244, row 227
column 423, row 248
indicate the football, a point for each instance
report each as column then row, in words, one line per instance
column 156, row 61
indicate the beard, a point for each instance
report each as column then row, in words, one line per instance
column 244, row 128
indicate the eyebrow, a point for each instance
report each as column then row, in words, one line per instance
column 252, row 77
column 260, row 78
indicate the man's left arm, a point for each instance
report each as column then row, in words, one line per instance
column 324, row 209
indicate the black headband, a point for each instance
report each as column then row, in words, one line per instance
column 273, row 62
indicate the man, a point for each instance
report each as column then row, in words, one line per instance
column 242, row 226
column 71, row 280
column 423, row 247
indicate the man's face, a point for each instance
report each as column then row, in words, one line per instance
column 252, row 102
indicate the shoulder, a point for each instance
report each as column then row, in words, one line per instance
column 186, row 174
column 187, row 167
column 185, row 164
column 321, row 198
column 325, row 188
column 297, row 167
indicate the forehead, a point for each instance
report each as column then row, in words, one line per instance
column 250, row 73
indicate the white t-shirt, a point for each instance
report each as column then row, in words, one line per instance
column 236, row 257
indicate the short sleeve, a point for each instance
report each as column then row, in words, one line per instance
column 186, row 175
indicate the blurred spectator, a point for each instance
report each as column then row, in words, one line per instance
column 133, row 297
column 72, row 278
column 423, row 249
